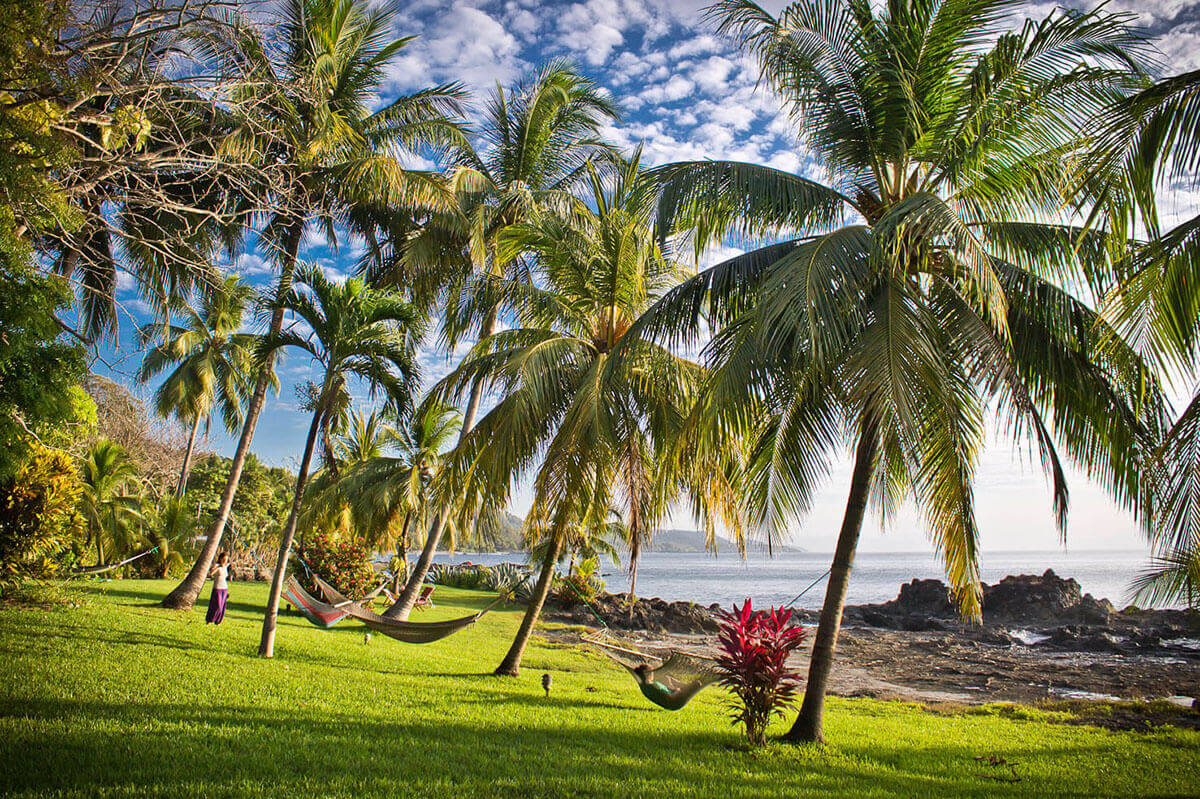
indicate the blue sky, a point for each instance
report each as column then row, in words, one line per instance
column 685, row 94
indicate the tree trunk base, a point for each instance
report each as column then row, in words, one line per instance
column 803, row 738
column 180, row 599
column 507, row 671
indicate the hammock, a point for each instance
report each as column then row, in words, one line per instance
column 91, row 571
column 316, row 611
column 673, row 682
column 410, row 632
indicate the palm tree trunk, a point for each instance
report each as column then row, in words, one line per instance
column 184, row 595
column 511, row 665
column 403, row 605
column 187, row 459
column 809, row 724
column 266, row 647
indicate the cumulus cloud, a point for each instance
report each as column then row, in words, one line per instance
column 675, row 88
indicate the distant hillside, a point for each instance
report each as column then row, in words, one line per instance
column 693, row 541
column 507, row 538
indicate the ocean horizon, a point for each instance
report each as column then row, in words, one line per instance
column 877, row 576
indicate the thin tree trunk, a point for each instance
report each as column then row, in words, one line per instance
column 511, row 665
column 187, row 459
column 184, row 595
column 266, row 647
column 809, row 724
column 403, row 605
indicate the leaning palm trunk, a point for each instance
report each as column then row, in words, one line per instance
column 187, row 459
column 511, row 665
column 809, row 725
column 402, row 607
column 184, row 595
column 266, row 647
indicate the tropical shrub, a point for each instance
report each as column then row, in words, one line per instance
column 582, row 584
column 504, row 578
column 753, row 648
column 40, row 526
column 339, row 560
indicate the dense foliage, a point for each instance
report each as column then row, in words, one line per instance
column 39, row 370
column 753, row 649
column 339, row 560
column 41, row 529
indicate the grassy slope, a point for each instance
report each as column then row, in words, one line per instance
column 120, row 697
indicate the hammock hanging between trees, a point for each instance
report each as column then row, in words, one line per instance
column 316, row 611
column 673, row 682
column 410, row 632
column 104, row 568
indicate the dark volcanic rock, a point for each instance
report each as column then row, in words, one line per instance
column 1027, row 600
column 1048, row 599
column 653, row 614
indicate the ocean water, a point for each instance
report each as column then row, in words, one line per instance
column 876, row 577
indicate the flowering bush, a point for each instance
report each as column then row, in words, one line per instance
column 753, row 649
column 339, row 560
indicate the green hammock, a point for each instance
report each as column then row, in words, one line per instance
column 410, row 632
column 673, row 682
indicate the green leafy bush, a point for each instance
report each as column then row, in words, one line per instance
column 40, row 526
column 583, row 583
column 339, row 560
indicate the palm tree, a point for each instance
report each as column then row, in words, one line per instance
column 390, row 496
column 213, row 363
column 917, row 289
column 328, row 153
column 1155, row 135
column 111, row 510
column 357, row 334
column 594, row 408
column 537, row 142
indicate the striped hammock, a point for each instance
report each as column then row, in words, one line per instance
column 316, row 611
column 410, row 632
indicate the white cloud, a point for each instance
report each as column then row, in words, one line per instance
column 674, row 89
column 251, row 265
column 712, row 74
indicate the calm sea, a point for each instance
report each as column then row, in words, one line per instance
column 877, row 577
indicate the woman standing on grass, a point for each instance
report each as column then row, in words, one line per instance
column 220, row 592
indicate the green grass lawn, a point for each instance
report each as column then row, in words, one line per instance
column 120, row 697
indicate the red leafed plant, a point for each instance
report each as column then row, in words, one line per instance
column 753, row 649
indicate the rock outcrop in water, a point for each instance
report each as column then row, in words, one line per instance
column 1023, row 600
column 1042, row 610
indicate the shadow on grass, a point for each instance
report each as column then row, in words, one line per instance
column 226, row 748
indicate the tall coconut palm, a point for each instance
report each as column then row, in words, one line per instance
column 589, row 411
column 919, row 287
column 358, row 334
column 109, row 502
column 1156, row 134
column 328, row 153
column 536, row 143
column 213, row 363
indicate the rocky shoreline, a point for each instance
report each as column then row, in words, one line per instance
column 1041, row 639
column 1045, row 611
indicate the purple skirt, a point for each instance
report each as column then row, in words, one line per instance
column 216, row 606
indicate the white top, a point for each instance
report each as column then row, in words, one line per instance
column 219, row 576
